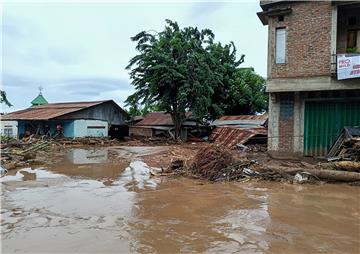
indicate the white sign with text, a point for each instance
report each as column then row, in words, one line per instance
column 348, row 67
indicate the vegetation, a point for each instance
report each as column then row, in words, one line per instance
column 180, row 70
column 136, row 109
column 3, row 98
column 351, row 50
column 246, row 94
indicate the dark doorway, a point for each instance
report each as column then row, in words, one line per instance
column 118, row 131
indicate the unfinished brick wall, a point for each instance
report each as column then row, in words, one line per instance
column 286, row 123
column 308, row 41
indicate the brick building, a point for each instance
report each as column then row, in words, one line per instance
column 313, row 73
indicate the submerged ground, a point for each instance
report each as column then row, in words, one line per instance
column 87, row 203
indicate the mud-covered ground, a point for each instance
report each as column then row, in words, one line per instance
column 107, row 200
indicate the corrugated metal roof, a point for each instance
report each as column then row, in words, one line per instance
column 230, row 137
column 241, row 120
column 243, row 117
column 160, row 119
column 50, row 111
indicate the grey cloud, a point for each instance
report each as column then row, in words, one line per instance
column 205, row 8
column 65, row 56
column 22, row 90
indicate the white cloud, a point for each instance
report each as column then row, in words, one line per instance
column 79, row 51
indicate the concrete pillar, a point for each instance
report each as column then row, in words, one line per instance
column 334, row 14
column 299, row 111
column 273, row 123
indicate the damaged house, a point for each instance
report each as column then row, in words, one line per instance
column 313, row 76
column 77, row 119
column 160, row 124
column 232, row 131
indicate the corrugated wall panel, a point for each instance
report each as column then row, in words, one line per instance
column 323, row 122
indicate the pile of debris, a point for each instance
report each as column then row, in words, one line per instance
column 210, row 160
column 214, row 163
column 345, row 153
column 22, row 153
column 347, row 145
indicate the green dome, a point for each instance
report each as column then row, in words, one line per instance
column 39, row 100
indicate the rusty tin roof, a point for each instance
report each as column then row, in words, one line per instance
column 50, row 111
column 161, row 119
column 230, row 137
column 245, row 120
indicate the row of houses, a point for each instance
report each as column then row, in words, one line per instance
column 313, row 84
column 106, row 118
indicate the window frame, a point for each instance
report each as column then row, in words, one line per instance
column 276, row 53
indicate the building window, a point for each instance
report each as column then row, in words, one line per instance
column 286, row 107
column 8, row 132
column 352, row 21
column 281, row 18
column 352, row 38
column 280, row 46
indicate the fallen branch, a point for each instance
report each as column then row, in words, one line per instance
column 323, row 174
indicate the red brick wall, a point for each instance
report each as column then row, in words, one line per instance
column 286, row 123
column 308, row 51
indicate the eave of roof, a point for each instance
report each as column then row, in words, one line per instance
column 51, row 110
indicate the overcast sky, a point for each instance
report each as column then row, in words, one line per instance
column 78, row 51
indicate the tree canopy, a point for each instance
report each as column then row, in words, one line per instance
column 246, row 93
column 3, row 98
column 181, row 70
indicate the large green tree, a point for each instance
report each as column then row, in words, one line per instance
column 181, row 70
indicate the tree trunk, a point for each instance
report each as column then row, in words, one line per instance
column 323, row 174
column 348, row 165
column 177, row 125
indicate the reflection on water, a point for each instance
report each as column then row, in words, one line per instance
column 120, row 208
column 83, row 156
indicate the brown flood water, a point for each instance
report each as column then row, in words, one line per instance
column 86, row 204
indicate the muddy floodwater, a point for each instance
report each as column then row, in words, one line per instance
column 88, row 204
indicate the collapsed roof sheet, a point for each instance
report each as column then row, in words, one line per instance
column 230, row 137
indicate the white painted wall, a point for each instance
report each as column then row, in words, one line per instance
column 92, row 128
column 6, row 125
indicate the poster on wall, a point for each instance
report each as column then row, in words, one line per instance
column 348, row 67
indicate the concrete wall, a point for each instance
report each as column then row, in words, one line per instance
column 93, row 128
column 6, row 126
column 286, row 126
column 310, row 84
column 308, row 49
column 108, row 112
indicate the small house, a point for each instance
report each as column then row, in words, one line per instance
column 161, row 124
column 77, row 119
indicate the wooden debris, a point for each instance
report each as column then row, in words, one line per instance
column 348, row 165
